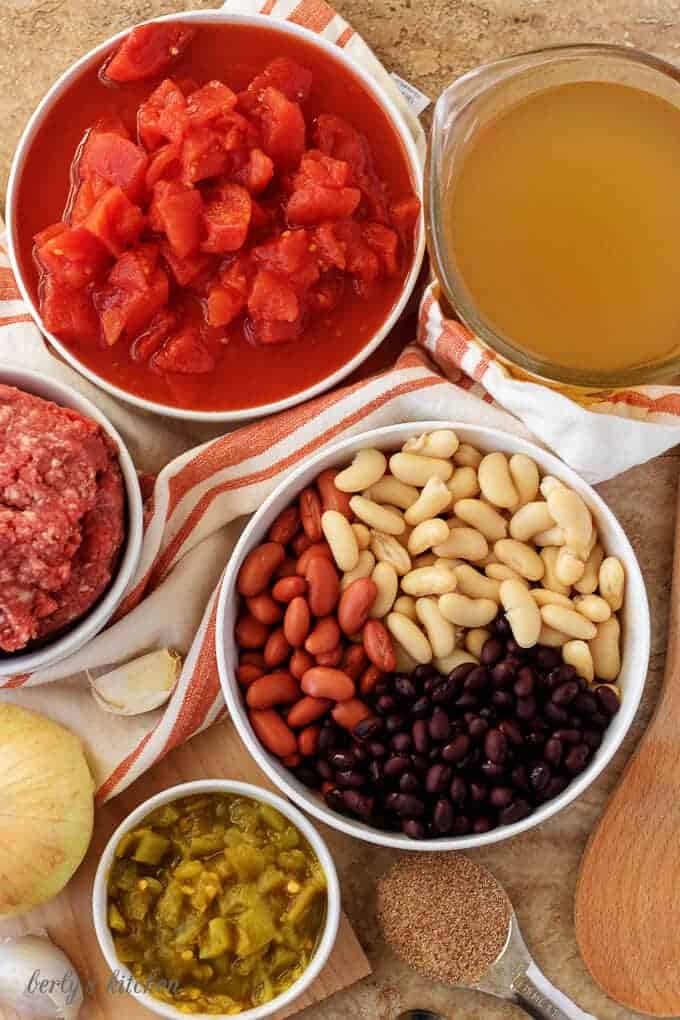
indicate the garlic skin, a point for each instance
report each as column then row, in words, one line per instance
column 25, row 962
column 138, row 686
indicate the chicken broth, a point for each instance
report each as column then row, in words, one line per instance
column 564, row 219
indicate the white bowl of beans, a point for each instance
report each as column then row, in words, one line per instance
column 433, row 636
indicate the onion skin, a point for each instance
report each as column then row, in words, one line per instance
column 46, row 793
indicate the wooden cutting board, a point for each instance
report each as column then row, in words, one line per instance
column 628, row 893
column 216, row 754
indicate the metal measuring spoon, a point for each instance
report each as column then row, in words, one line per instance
column 515, row 977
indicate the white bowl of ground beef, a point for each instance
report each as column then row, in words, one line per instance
column 70, row 521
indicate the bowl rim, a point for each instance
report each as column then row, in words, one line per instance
column 316, row 841
column 96, row 618
column 368, row 82
column 636, row 652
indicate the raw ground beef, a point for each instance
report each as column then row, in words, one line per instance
column 62, row 508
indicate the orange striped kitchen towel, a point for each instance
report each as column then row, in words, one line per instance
column 203, row 493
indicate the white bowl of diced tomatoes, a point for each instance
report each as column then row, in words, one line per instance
column 231, row 223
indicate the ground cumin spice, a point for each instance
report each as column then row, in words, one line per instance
column 444, row 915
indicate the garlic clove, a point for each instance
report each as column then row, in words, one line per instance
column 138, row 686
column 37, row 979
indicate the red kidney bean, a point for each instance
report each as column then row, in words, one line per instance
column 250, row 633
column 296, row 622
column 324, row 586
column 272, row 689
column 300, row 662
column 332, row 658
column 277, row 649
column 286, row 526
column 288, row 588
column 258, row 567
column 264, row 608
column 307, row 710
column 332, row 498
column 310, row 514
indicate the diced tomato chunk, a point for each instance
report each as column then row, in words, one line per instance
column 338, row 138
column 227, row 218
column 165, row 164
column 48, row 233
column 116, row 161
column 135, row 291
column 363, row 263
column 384, row 242
column 185, row 353
column 163, row 116
column 257, row 173
column 89, row 191
column 239, row 275
column 272, row 297
column 74, row 257
column 284, row 254
column 180, row 214
column 115, row 221
column 283, row 129
column 268, row 331
column 327, row 294
column 68, row 312
column 152, row 339
column 313, row 204
column 318, row 168
column 331, row 242
column 203, row 155
column 148, row 50
column 210, row 103
column 224, row 305
column 186, row 270
column 404, row 215
column 283, row 74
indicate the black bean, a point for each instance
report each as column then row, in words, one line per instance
column 307, row 776
column 420, row 764
column 566, row 736
column 457, row 748
column 477, row 679
column 442, row 818
column 502, row 700
column 546, row 658
column 467, row 700
column 584, row 703
column 385, row 704
column 395, row 765
column 336, row 800
column 325, row 770
column 607, row 700
column 327, row 740
column 520, row 777
column 460, row 672
column 421, row 708
column 514, row 812
column 414, row 829
column 423, row 672
column 552, row 751
column 375, row 772
column 525, row 682
column 491, row 651
column 526, row 708
column 458, row 790
column 512, row 648
column 510, row 729
column 501, row 626
column 501, row 796
column 477, row 727
column 350, row 779
column 405, row 687
column 395, row 722
column 421, row 736
column 555, row 713
column 461, row 825
column 376, row 749
column 409, row 783
column 434, row 754
column 382, row 687
column 343, row 759
column 503, row 673
column 592, row 738
column 430, row 684
column 565, row 693
column 478, row 792
column 445, row 692
column 539, row 776
column 492, row 771
column 405, row 805
column 600, row 720
column 577, row 759
column 369, row 728
column 359, row 803
column 556, row 785
column 401, row 742
column 439, row 725
column 360, row 753
column 481, row 824
column 496, row 746
column 553, row 679
column 437, row 778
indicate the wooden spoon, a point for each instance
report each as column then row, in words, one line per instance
column 628, row 894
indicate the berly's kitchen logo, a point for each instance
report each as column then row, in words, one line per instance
column 119, row 983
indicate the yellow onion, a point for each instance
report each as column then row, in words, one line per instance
column 46, row 808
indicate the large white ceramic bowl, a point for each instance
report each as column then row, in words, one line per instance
column 332, row 922
column 636, row 629
column 94, row 57
column 96, row 618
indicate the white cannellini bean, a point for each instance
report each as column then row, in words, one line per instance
column 342, row 540
column 549, row 484
column 463, row 484
column 390, row 522
column 427, row 534
column 612, row 581
column 521, row 612
column 366, row 468
column 467, row 456
column 530, row 520
column 551, row 536
column 390, row 490
column 569, row 622
column 452, row 661
column 502, row 572
column 521, row 557
column 571, row 513
column 440, row 632
column 429, row 581
column 475, row 640
column 546, row 597
column 440, row 443
column 427, row 559
column 594, row 607
column 414, row 469
column 433, row 500
column 386, row 581
column 406, row 605
column 569, row 568
column 483, row 517
column 550, row 579
column 578, row 655
column 465, row 612
column 364, row 568
column 552, row 638
column 524, row 474
column 476, row 585
column 463, row 544
column 410, row 637
column 588, row 583
column 387, row 549
column 362, row 535
column 605, row 649
column 495, row 482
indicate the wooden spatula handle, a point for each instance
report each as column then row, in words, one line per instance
column 628, row 894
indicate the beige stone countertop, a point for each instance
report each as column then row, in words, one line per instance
column 430, row 42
